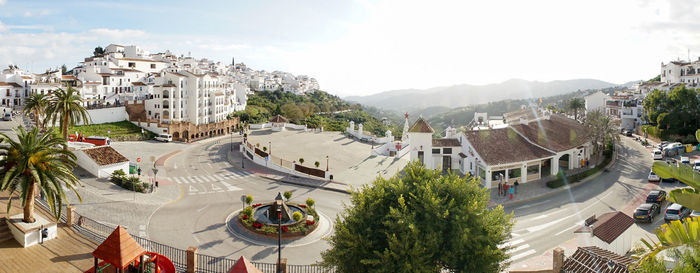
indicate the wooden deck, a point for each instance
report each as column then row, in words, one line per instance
column 69, row 252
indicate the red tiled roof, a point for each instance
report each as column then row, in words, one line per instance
column 609, row 226
column 68, row 78
column 446, row 142
column 592, row 259
column 105, row 155
column 502, row 146
column 421, row 126
column 557, row 134
column 13, row 84
column 138, row 83
column 119, row 249
column 244, row 266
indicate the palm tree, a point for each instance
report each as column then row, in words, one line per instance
column 576, row 104
column 35, row 162
column 36, row 104
column 65, row 107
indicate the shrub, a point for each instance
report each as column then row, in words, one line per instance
column 119, row 172
column 287, row 195
column 301, row 161
column 296, row 216
column 248, row 211
column 317, row 164
column 248, row 199
column 310, row 202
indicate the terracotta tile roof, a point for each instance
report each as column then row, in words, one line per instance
column 446, row 142
column 557, row 134
column 592, row 259
column 68, row 78
column 279, row 119
column 528, row 112
column 138, row 83
column 119, row 249
column 27, row 77
column 105, row 155
column 609, row 226
column 244, row 266
column 169, row 85
column 421, row 126
column 13, row 84
column 502, row 146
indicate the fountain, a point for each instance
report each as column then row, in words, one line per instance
column 260, row 217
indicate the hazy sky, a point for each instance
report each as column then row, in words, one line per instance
column 362, row 47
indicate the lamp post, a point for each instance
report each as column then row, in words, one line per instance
column 326, row 163
column 269, row 146
column 278, row 201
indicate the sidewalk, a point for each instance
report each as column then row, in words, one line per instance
column 235, row 157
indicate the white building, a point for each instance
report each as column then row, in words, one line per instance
column 596, row 101
column 610, row 231
column 523, row 151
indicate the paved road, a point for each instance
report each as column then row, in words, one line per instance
column 211, row 191
column 547, row 223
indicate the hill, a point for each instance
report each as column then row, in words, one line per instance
column 465, row 94
column 316, row 110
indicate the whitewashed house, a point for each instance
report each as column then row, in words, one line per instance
column 610, row 231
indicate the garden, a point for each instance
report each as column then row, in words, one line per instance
column 117, row 131
column 132, row 183
column 296, row 219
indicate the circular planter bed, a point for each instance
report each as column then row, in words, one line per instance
column 258, row 222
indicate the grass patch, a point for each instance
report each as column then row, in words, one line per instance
column 119, row 131
column 560, row 181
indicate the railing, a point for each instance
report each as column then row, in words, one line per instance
column 210, row 264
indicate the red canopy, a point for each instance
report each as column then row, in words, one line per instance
column 119, row 249
column 243, row 266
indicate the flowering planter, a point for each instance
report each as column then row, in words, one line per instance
column 256, row 227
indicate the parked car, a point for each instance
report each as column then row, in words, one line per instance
column 628, row 133
column 646, row 212
column 696, row 165
column 669, row 180
column 7, row 117
column 695, row 213
column 657, row 155
column 685, row 160
column 662, row 145
column 653, row 177
column 657, row 197
column 164, row 137
column 676, row 212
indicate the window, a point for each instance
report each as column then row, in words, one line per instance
column 132, row 64
column 534, row 169
column 153, row 66
column 436, row 151
column 447, row 151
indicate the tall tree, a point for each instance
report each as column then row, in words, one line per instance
column 35, row 160
column 65, row 107
column 575, row 105
column 36, row 104
column 601, row 129
column 422, row 221
column 99, row 51
column 64, row 70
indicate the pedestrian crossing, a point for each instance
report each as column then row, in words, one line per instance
column 210, row 178
column 519, row 250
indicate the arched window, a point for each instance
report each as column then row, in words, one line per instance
column 166, row 94
column 166, row 114
column 166, row 104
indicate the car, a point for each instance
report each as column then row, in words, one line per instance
column 662, row 145
column 628, row 133
column 669, row 180
column 695, row 213
column 7, row 117
column 676, row 212
column 646, row 212
column 164, row 137
column 696, row 165
column 653, row 177
column 656, row 197
column 657, row 155
column 685, row 160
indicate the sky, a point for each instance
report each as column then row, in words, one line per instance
column 363, row 47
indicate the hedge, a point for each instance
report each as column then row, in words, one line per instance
column 579, row 176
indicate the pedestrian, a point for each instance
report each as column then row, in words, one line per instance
column 516, row 186
column 505, row 188
column 511, row 193
column 500, row 188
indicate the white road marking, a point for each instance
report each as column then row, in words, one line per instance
column 193, row 189
column 203, row 177
column 230, row 187
column 218, row 177
column 514, row 235
column 546, row 225
column 511, row 243
column 174, row 165
column 177, row 179
column 523, row 255
column 576, row 225
column 532, row 205
column 540, row 217
column 519, row 248
column 194, row 178
column 210, row 166
column 214, row 187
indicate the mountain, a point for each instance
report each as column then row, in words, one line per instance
column 465, row 94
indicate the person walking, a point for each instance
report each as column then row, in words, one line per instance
column 516, row 186
column 505, row 188
column 511, row 193
column 500, row 187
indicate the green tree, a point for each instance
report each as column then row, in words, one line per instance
column 301, row 161
column 317, row 164
column 600, row 128
column 65, row 107
column 575, row 105
column 35, row 162
column 37, row 104
column 422, row 221
column 99, row 51
column 292, row 112
column 64, row 70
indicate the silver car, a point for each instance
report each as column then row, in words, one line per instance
column 676, row 212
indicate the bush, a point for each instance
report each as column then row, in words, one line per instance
column 248, row 199
column 248, row 211
column 310, row 202
column 561, row 181
column 287, row 195
column 296, row 216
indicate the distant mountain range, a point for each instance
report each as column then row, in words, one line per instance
column 465, row 94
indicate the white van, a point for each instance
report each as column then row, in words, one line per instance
column 164, row 137
column 657, row 155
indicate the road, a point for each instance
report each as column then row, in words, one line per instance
column 211, row 192
column 543, row 224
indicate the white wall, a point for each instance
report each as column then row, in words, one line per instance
column 620, row 245
column 269, row 164
column 153, row 127
column 107, row 115
column 86, row 162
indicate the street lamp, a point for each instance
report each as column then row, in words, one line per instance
column 269, row 146
column 326, row 163
column 278, row 201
